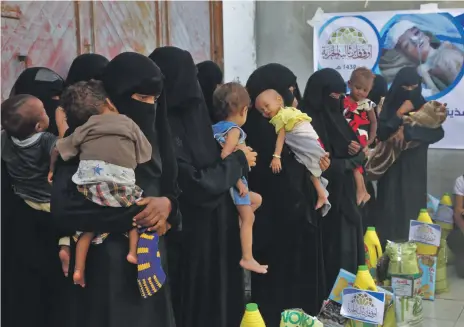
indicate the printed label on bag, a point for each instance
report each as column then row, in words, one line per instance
column 365, row 306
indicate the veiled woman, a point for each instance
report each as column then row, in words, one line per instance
column 111, row 297
column 83, row 68
column 342, row 227
column 210, row 76
column 401, row 191
column 287, row 233
column 31, row 272
column 212, row 289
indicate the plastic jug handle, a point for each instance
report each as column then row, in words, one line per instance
column 378, row 248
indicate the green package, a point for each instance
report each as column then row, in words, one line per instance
column 403, row 259
column 298, row 318
column 408, row 311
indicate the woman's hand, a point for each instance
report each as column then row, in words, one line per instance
column 354, row 148
column 324, row 163
column 276, row 165
column 249, row 154
column 406, row 107
column 154, row 215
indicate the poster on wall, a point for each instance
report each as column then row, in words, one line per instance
column 431, row 42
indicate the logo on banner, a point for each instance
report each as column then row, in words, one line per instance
column 366, row 306
column 424, row 233
column 347, row 43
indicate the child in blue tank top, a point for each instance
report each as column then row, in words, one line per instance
column 230, row 102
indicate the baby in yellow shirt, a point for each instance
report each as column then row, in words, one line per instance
column 294, row 128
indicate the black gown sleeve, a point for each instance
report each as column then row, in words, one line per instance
column 387, row 127
column 423, row 134
column 205, row 187
column 341, row 166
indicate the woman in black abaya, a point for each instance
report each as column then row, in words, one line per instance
column 342, row 227
column 31, row 272
column 286, row 231
column 401, row 191
column 210, row 76
column 111, row 297
column 212, row 289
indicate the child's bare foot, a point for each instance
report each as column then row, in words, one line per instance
column 321, row 200
column 132, row 258
column 254, row 266
column 366, row 198
column 78, row 277
column 65, row 256
column 360, row 197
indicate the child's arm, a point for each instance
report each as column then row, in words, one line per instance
column 232, row 139
column 373, row 128
column 276, row 164
column 53, row 158
column 60, row 118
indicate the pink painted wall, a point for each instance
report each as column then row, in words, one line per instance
column 53, row 33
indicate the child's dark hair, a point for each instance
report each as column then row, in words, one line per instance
column 15, row 122
column 82, row 100
column 362, row 72
column 229, row 98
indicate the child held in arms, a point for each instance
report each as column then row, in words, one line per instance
column 26, row 149
column 230, row 103
column 294, row 128
column 360, row 114
column 109, row 146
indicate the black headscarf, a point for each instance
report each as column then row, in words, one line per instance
column 86, row 67
column 43, row 83
column 396, row 96
column 327, row 112
column 130, row 73
column 210, row 76
column 260, row 133
column 379, row 89
column 187, row 110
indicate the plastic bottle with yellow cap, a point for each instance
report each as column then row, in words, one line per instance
column 373, row 250
column 364, row 280
column 252, row 317
column 424, row 249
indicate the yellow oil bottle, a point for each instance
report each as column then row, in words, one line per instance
column 364, row 280
column 373, row 250
column 425, row 249
column 252, row 317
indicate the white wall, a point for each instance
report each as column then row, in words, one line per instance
column 283, row 36
column 239, row 39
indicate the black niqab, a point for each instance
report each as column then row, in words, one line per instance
column 44, row 84
column 186, row 107
column 210, row 76
column 86, row 67
column 396, row 95
column 327, row 112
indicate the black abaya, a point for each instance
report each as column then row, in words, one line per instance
column 212, row 288
column 210, row 76
column 111, row 297
column 286, row 232
column 86, row 67
column 342, row 227
column 402, row 190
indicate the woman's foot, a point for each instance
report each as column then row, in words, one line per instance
column 78, row 277
column 65, row 256
column 321, row 200
column 132, row 258
column 253, row 265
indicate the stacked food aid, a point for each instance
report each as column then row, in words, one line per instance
column 298, row 318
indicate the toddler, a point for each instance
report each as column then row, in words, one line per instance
column 294, row 128
column 26, row 149
column 109, row 146
column 230, row 103
column 360, row 114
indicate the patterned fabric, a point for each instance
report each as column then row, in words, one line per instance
column 97, row 171
column 151, row 275
column 221, row 129
column 111, row 194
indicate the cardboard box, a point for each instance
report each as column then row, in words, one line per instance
column 406, row 286
column 428, row 266
column 344, row 279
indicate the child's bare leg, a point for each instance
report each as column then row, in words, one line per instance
column 82, row 247
column 256, row 200
column 133, row 241
column 246, row 237
column 321, row 194
column 361, row 192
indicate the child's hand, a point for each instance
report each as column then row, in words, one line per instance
column 50, row 177
column 242, row 189
column 276, row 165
